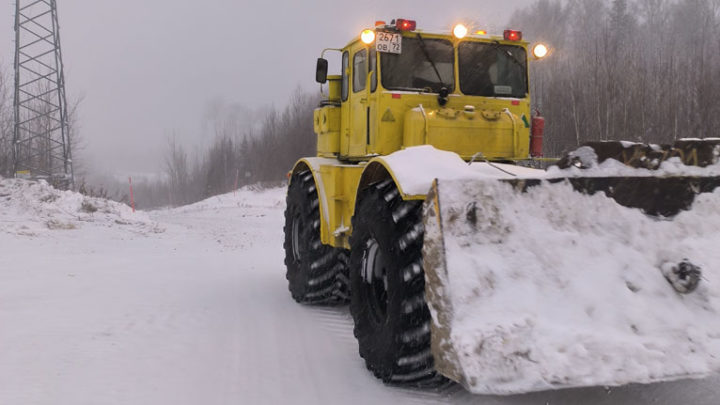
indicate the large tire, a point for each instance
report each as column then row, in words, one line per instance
column 316, row 273
column 392, row 320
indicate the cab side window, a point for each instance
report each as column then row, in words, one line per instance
column 345, row 76
column 359, row 70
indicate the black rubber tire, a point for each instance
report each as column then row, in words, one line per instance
column 316, row 273
column 395, row 343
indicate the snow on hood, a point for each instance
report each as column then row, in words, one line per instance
column 415, row 168
column 35, row 208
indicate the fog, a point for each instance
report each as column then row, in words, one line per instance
column 145, row 70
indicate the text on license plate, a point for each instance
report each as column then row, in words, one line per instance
column 388, row 42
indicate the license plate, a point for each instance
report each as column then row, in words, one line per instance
column 388, row 42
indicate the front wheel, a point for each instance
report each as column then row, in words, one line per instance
column 392, row 320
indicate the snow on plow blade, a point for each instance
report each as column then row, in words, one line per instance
column 545, row 284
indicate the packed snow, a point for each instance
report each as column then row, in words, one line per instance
column 190, row 306
column 553, row 288
column 36, row 209
column 588, row 159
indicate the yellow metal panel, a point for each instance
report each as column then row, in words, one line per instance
column 334, row 83
column 330, row 119
column 496, row 133
column 359, row 105
column 345, row 109
column 316, row 121
column 340, row 182
column 337, row 185
column 327, row 127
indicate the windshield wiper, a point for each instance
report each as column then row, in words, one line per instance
column 429, row 59
column 443, row 93
column 415, row 89
column 512, row 57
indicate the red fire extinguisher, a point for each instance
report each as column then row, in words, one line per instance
column 536, row 135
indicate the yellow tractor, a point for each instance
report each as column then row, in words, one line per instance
column 419, row 140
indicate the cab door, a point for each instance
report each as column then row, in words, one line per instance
column 361, row 105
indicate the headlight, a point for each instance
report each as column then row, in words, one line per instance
column 460, row 31
column 540, row 51
column 368, row 36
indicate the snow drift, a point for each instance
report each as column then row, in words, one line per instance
column 35, row 208
column 553, row 288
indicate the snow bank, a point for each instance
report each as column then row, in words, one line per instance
column 553, row 288
column 35, row 208
column 245, row 197
column 611, row 167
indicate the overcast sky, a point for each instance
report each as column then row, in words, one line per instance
column 149, row 68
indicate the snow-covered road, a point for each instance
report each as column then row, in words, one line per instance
column 191, row 307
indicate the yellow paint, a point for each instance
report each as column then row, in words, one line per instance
column 377, row 123
column 339, row 186
column 468, row 135
column 327, row 127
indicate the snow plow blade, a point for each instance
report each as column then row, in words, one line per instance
column 538, row 284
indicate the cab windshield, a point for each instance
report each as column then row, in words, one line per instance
column 412, row 70
column 492, row 70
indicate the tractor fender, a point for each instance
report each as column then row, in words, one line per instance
column 313, row 164
column 414, row 169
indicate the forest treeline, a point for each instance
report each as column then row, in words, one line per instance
column 241, row 153
column 639, row 70
column 245, row 149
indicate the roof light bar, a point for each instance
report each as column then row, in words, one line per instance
column 512, row 35
column 405, row 25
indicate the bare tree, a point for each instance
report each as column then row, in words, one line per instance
column 644, row 70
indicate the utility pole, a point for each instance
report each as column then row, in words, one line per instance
column 41, row 140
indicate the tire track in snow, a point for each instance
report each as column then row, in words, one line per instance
column 338, row 321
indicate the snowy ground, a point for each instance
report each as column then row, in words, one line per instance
column 190, row 306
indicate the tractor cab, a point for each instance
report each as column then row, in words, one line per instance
column 399, row 87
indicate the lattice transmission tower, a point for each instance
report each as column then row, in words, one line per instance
column 41, row 141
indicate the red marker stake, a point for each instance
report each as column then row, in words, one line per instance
column 237, row 178
column 132, row 198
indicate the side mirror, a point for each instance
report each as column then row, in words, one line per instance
column 321, row 70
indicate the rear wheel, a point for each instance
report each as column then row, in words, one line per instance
column 316, row 273
column 392, row 320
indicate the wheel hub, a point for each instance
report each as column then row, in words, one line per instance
column 295, row 234
column 374, row 273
